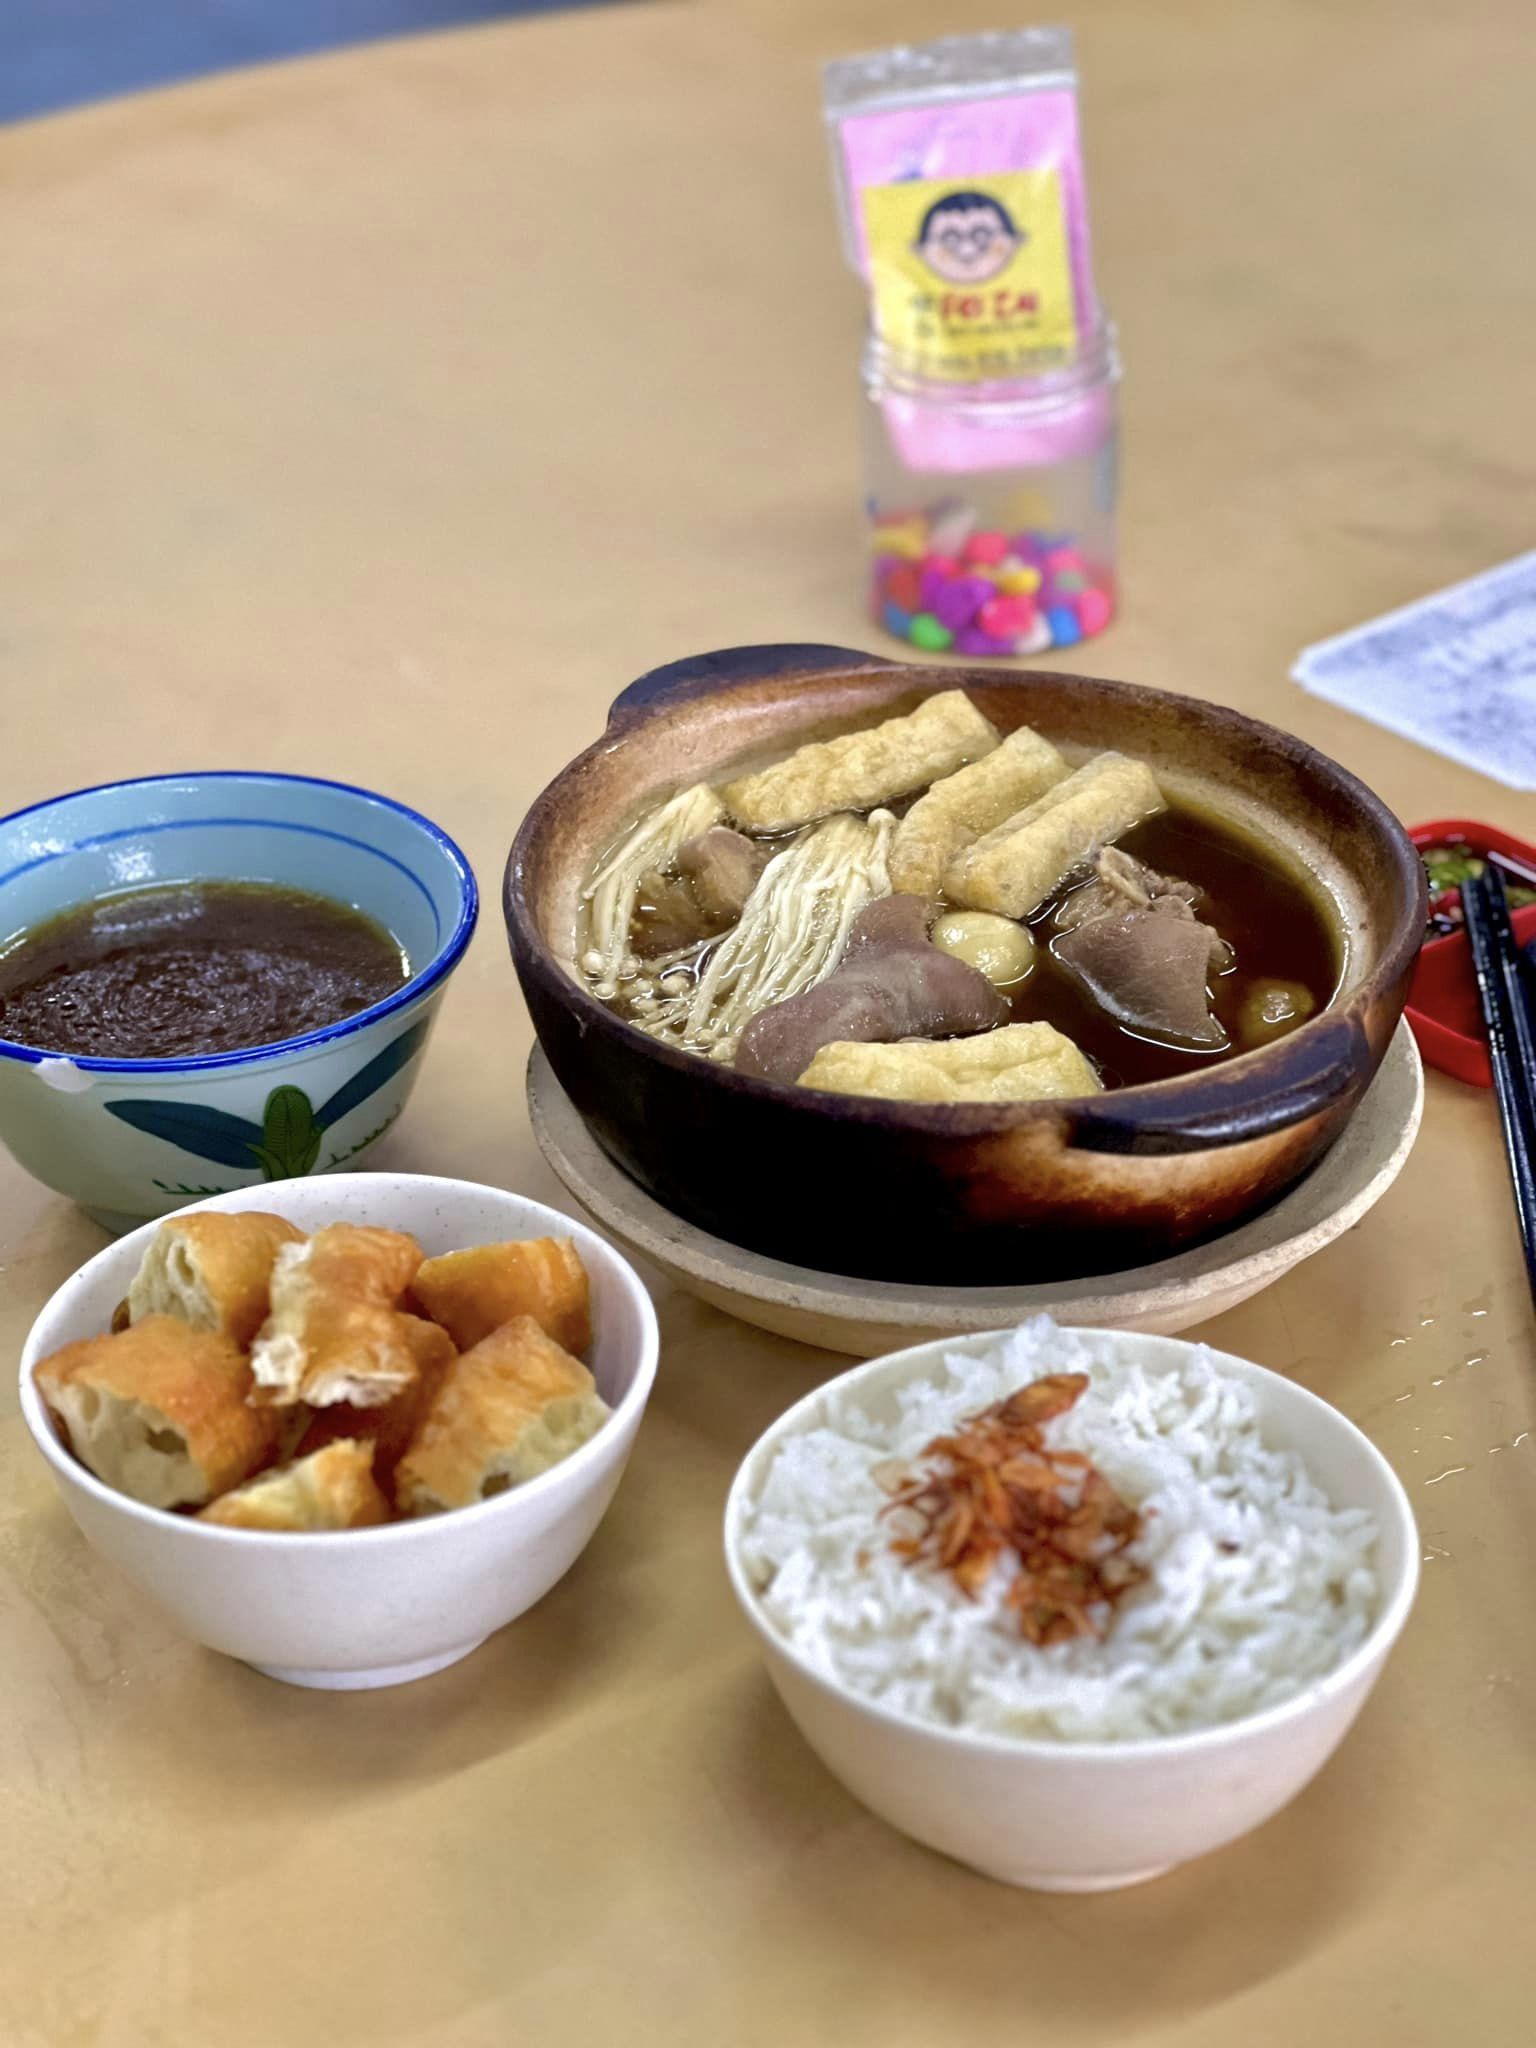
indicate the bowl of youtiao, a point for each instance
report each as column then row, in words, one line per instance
column 954, row 976
column 212, row 981
column 346, row 1428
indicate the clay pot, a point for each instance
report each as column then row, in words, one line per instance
column 962, row 1193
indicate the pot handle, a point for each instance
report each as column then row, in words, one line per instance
column 732, row 664
column 1324, row 1068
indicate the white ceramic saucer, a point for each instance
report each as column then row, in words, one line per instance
column 867, row 1317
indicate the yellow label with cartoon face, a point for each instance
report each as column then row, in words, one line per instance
column 972, row 281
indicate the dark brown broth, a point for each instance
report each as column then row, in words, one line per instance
column 1279, row 925
column 1276, row 925
column 192, row 969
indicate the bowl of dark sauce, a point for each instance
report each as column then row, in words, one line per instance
column 208, row 981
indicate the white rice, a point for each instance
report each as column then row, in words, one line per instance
column 1213, row 1633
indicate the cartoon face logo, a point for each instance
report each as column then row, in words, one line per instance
column 967, row 237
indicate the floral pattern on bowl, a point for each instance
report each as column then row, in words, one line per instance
column 286, row 1143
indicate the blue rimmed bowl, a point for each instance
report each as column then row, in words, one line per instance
column 130, row 1139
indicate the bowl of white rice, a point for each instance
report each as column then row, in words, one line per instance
column 1270, row 1562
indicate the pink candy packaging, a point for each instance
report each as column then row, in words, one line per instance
column 959, row 174
column 960, row 180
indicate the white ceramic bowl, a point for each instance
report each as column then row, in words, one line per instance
column 365, row 1607
column 1068, row 1816
column 128, row 1139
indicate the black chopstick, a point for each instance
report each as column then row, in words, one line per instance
column 1511, row 1026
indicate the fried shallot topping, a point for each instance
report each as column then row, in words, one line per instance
column 994, row 1488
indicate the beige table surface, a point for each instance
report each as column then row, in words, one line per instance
column 381, row 416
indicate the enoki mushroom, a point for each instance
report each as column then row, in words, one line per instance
column 614, row 890
column 790, row 936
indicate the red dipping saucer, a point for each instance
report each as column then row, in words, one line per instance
column 1442, row 1001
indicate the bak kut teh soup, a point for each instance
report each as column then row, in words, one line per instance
column 1284, row 952
column 925, row 911
column 192, row 969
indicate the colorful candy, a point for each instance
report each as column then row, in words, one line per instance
column 950, row 529
column 906, row 537
column 936, row 572
column 985, row 547
column 928, row 632
column 1094, row 609
column 950, row 582
column 904, row 587
column 1063, row 560
column 1015, row 577
column 973, row 641
column 1007, row 618
column 959, row 600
